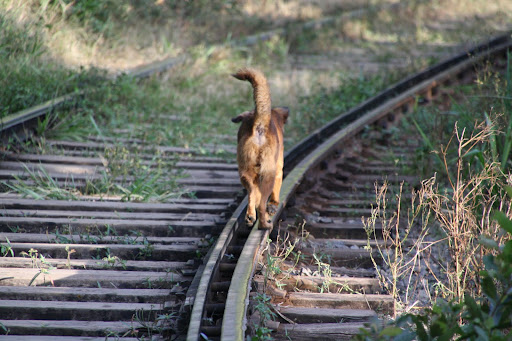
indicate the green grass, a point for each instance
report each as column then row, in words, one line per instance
column 26, row 78
column 487, row 101
column 127, row 175
column 324, row 105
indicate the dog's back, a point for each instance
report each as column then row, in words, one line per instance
column 260, row 146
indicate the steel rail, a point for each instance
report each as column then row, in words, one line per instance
column 17, row 123
column 398, row 98
column 211, row 266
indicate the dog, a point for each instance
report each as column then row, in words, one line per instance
column 260, row 150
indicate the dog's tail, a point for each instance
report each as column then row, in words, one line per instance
column 261, row 95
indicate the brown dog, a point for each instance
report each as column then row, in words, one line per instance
column 260, row 150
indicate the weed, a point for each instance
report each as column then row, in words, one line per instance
column 87, row 237
column 126, row 174
column 61, row 239
column 275, row 259
column 164, row 325
column 487, row 101
column 101, row 252
column 146, row 251
column 324, row 270
column 6, row 249
column 39, row 261
column 463, row 209
column 14, row 229
column 484, row 317
column 109, row 260
column 200, row 254
column 110, row 231
column 69, row 253
column 161, row 282
column 444, row 218
column 276, row 269
column 40, row 185
column 6, row 330
column 262, row 306
column 400, row 252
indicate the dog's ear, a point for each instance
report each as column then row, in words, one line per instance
column 243, row 116
column 283, row 112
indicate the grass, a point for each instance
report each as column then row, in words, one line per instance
column 482, row 317
column 487, row 101
column 103, row 28
column 26, row 78
column 40, row 185
column 126, row 175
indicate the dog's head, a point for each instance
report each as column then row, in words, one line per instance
column 243, row 116
column 281, row 112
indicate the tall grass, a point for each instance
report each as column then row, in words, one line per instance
column 400, row 244
column 486, row 316
column 463, row 210
column 27, row 78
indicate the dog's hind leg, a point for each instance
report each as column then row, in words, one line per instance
column 266, row 186
column 254, row 195
column 273, row 203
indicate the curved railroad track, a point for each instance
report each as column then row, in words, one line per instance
column 98, row 267
column 329, row 182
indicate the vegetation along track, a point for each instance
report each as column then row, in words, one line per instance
column 329, row 186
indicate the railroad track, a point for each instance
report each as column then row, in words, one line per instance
column 329, row 185
column 100, row 267
column 97, row 266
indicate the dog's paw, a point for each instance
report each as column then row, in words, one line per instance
column 265, row 225
column 272, row 208
column 250, row 220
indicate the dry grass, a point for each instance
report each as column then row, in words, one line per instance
column 160, row 30
column 433, row 248
column 464, row 210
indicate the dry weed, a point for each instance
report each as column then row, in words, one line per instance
column 437, row 252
